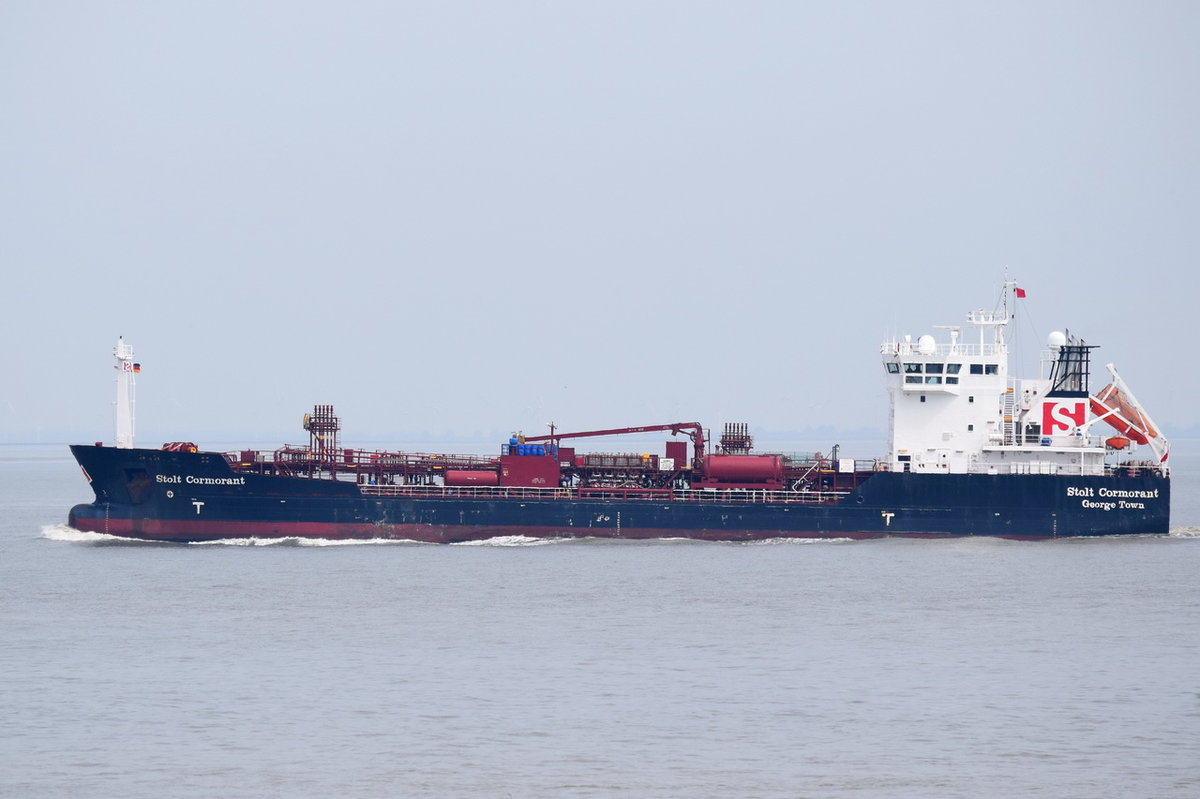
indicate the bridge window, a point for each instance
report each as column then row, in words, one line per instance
column 991, row 369
column 893, row 367
column 952, row 368
column 934, row 368
column 952, row 380
column 976, row 368
column 933, row 379
column 912, row 368
column 912, row 379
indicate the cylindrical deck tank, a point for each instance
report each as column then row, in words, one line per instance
column 463, row 477
column 744, row 468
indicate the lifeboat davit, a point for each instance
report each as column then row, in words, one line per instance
column 1116, row 409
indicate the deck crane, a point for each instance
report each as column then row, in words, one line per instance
column 692, row 429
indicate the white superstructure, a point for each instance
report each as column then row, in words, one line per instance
column 126, row 383
column 955, row 409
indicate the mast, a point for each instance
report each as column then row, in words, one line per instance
column 126, row 369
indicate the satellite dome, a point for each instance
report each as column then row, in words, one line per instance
column 1056, row 339
column 926, row 345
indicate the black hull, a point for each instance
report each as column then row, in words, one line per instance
column 155, row 495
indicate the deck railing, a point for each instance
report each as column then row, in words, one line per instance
column 739, row 496
column 944, row 350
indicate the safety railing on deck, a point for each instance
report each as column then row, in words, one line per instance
column 942, row 350
column 740, row 496
column 1130, row 469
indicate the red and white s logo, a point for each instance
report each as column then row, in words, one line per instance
column 1062, row 416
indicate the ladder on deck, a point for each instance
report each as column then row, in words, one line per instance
column 1010, row 437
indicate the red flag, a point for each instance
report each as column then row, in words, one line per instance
column 1019, row 292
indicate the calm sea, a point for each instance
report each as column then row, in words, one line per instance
column 961, row 668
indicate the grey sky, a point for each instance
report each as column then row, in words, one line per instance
column 467, row 218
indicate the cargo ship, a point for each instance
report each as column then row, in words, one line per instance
column 971, row 451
